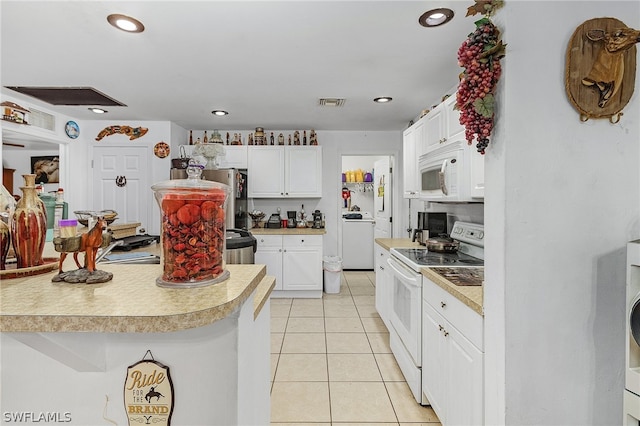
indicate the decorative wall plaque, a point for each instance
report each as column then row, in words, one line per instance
column 148, row 393
column 601, row 68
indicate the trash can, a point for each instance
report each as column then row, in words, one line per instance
column 332, row 266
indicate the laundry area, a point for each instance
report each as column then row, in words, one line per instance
column 364, row 181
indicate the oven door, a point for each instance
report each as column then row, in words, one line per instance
column 405, row 315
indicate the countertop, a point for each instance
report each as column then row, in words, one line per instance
column 131, row 302
column 472, row 296
column 287, row 231
column 389, row 243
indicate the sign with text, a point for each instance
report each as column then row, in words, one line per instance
column 148, row 394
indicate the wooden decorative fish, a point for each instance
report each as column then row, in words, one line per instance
column 132, row 132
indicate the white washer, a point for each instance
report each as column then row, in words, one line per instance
column 357, row 242
column 632, row 357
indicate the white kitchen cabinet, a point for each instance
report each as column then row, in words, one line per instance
column 284, row 171
column 383, row 285
column 269, row 253
column 452, row 357
column 412, row 139
column 235, row 157
column 442, row 125
column 295, row 261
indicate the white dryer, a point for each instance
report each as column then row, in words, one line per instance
column 632, row 357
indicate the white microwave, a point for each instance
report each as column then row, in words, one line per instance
column 444, row 174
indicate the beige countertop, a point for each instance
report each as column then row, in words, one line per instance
column 472, row 296
column 287, row 231
column 131, row 302
column 389, row 243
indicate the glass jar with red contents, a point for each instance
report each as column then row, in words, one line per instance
column 193, row 230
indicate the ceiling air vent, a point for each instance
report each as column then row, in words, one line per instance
column 68, row 95
column 42, row 120
column 331, row 102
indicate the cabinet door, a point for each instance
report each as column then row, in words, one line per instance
column 454, row 128
column 235, row 157
column 302, row 268
column 303, row 171
column 272, row 257
column 434, row 129
column 265, row 172
column 434, row 361
column 383, row 284
column 464, row 380
column 411, row 141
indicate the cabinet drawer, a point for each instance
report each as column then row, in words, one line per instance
column 269, row 241
column 302, row 241
column 463, row 318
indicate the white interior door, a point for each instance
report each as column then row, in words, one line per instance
column 120, row 182
column 382, row 203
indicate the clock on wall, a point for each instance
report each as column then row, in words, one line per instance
column 71, row 129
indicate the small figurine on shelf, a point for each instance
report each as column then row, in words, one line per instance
column 280, row 139
column 250, row 139
column 313, row 139
column 271, row 139
column 190, row 137
column 296, row 138
column 304, row 137
column 289, row 138
column 227, row 138
column 205, row 139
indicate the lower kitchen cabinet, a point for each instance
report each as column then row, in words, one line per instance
column 383, row 285
column 452, row 365
column 295, row 261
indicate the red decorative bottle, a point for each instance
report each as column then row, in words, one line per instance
column 29, row 226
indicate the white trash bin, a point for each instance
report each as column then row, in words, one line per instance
column 332, row 266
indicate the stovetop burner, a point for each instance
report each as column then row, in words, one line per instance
column 470, row 252
column 423, row 257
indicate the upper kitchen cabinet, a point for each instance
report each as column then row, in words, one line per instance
column 442, row 125
column 284, row 171
column 235, row 157
column 411, row 143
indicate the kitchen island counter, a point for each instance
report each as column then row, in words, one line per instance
column 131, row 302
column 84, row 337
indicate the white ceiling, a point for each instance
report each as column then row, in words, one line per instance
column 266, row 62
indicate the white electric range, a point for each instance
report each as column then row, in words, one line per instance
column 405, row 335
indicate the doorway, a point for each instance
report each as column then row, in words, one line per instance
column 366, row 192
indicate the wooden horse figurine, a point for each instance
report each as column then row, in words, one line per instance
column 90, row 242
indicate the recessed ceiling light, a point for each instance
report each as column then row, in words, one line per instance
column 219, row 112
column 98, row 110
column 125, row 23
column 435, row 17
column 383, row 99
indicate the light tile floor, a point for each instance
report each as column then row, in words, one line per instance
column 331, row 363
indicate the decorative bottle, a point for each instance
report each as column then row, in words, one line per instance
column 29, row 226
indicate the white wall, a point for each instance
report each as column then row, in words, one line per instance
column 159, row 131
column 561, row 202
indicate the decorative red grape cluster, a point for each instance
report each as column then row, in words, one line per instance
column 479, row 55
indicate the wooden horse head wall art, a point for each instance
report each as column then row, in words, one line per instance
column 601, row 68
